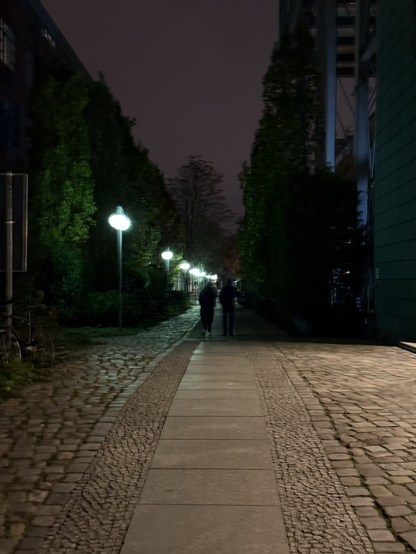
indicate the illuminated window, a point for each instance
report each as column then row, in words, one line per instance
column 7, row 46
column 9, row 123
column 29, row 68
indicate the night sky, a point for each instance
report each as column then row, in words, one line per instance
column 188, row 71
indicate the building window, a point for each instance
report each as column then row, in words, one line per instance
column 29, row 68
column 9, row 123
column 7, row 46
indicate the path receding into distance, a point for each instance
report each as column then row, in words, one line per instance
column 169, row 442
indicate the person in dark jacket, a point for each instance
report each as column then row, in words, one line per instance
column 207, row 300
column 228, row 295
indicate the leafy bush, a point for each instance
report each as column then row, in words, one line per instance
column 16, row 374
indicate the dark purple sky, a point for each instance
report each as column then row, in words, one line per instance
column 189, row 71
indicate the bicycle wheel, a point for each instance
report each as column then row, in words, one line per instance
column 43, row 351
column 49, row 348
column 9, row 347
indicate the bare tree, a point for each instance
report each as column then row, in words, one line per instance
column 198, row 194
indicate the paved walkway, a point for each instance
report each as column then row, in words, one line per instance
column 170, row 442
column 211, row 485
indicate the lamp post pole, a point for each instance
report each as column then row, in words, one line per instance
column 120, row 276
column 167, row 255
column 121, row 223
column 9, row 251
column 185, row 266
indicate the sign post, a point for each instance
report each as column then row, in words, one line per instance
column 9, row 249
column 13, row 241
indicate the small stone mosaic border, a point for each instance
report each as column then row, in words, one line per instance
column 96, row 517
column 318, row 516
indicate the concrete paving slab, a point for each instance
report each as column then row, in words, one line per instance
column 218, row 369
column 207, row 346
column 215, row 407
column 210, row 350
column 201, row 427
column 213, row 454
column 209, row 384
column 205, row 530
column 216, row 358
column 235, row 364
column 252, row 487
column 231, row 394
column 236, row 376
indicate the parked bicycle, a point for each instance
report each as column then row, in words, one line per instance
column 26, row 339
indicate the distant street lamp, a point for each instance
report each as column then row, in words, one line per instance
column 120, row 222
column 193, row 272
column 201, row 274
column 167, row 255
column 185, row 266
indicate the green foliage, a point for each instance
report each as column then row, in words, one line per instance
column 125, row 176
column 63, row 199
column 61, row 191
column 84, row 163
column 15, row 375
column 299, row 215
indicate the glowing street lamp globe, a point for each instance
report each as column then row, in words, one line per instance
column 119, row 220
column 167, row 255
column 193, row 271
column 185, row 266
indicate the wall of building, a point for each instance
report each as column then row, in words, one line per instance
column 29, row 39
column 395, row 185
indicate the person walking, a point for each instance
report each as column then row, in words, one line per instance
column 228, row 295
column 207, row 301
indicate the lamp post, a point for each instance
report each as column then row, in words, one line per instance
column 193, row 272
column 167, row 255
column 185, row 266
column 121, row 223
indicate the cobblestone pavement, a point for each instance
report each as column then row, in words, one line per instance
column 342, row 425
column 318, row 516
column 49, row 436
column 361, row 402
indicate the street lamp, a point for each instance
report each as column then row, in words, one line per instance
column 185, row 266
column 167, row 255
column 120, row 222
column 201, row 274
column 193, row 272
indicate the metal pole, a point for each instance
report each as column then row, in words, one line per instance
column 9, row 249
column 361, row 135
column 331, row 81
column 120, row 277
column 167, row 276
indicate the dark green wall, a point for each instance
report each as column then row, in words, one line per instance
column 395, row 186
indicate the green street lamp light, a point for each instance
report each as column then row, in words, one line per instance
column 121, row 223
